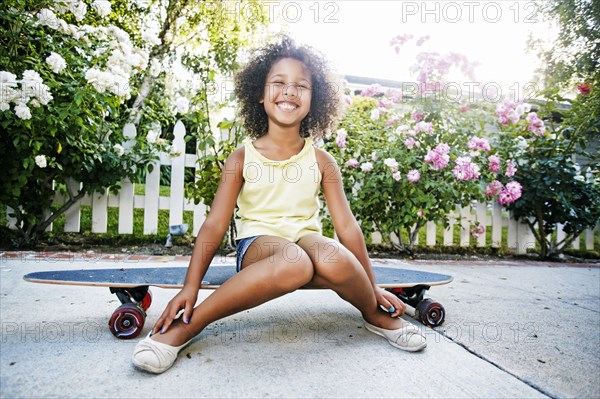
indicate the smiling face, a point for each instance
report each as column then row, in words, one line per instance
column 287, row 93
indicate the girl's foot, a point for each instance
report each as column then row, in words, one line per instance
column 408, row 338
column 399, row 333
column 177, row 334
column 383, row 320
column 155, row 357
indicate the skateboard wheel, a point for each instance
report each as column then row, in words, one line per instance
column 147, row 301
column 430, row 313
column 127, row 321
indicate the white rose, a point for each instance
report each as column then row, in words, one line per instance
column 152, row 136
column 155, row 68
column 79, row 9
column 402, row 129
column 119, row 34
column 7, row 79
column 375, row 114
column 40, row 161
column 23, row 111
column 31, row 77
column 57, row 62
column 183, row 105
column 102, row 7
column 366, row 167
column 151, row 37
column 391, row 163
column 135, row 60
column 48, row 18
column 106, row 80
column 119, row 149
column 63, row 26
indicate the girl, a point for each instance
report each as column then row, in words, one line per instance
column 286, row 100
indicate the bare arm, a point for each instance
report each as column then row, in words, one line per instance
column 207, row 242
column 215, row 226
column 347, row 229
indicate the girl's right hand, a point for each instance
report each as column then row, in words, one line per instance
column 185, row 299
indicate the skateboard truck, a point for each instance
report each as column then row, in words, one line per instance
column 175, row 230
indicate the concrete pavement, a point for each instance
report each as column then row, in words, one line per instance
column 512, row 330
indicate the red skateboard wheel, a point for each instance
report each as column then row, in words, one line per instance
column 127, row 321
column 430, row 313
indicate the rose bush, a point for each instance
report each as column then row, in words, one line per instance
column 402, row 168
column 73, row 73
column 560, row 178
column 61, row 93
column 407, row 160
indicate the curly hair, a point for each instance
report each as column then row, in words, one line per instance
column 250, row 80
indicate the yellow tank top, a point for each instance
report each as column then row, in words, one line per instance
column 279, row 197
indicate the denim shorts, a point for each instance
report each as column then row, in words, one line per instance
column 241, row 247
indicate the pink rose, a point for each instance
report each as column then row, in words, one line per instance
column 505, row 197
column 426, row 127
column 341, row 138
column 465, row 169
column 352, row 163
column 476, row 231
column 439, row 156
column 410, row 143
column 413, row 176
column 476, row 143
column 494, row 163
column 515, row 189
column 584, row 88
column 493, row 189
column 511, row 169
column 417, row 116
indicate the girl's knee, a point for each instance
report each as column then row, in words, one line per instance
column 335, row 263
column 293, row 267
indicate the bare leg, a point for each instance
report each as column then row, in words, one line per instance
column 338, row 269
column 272, row 267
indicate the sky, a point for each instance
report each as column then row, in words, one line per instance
column 355, row 35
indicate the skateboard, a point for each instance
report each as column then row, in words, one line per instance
column 132, row 288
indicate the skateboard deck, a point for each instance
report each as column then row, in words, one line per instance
column 131, row 285
column 173, row 277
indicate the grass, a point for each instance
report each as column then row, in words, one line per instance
column 113, row 222
column 163, row 191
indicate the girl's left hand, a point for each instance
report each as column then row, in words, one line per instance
column 389, row 300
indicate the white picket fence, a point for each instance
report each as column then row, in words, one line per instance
column 519, row 237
